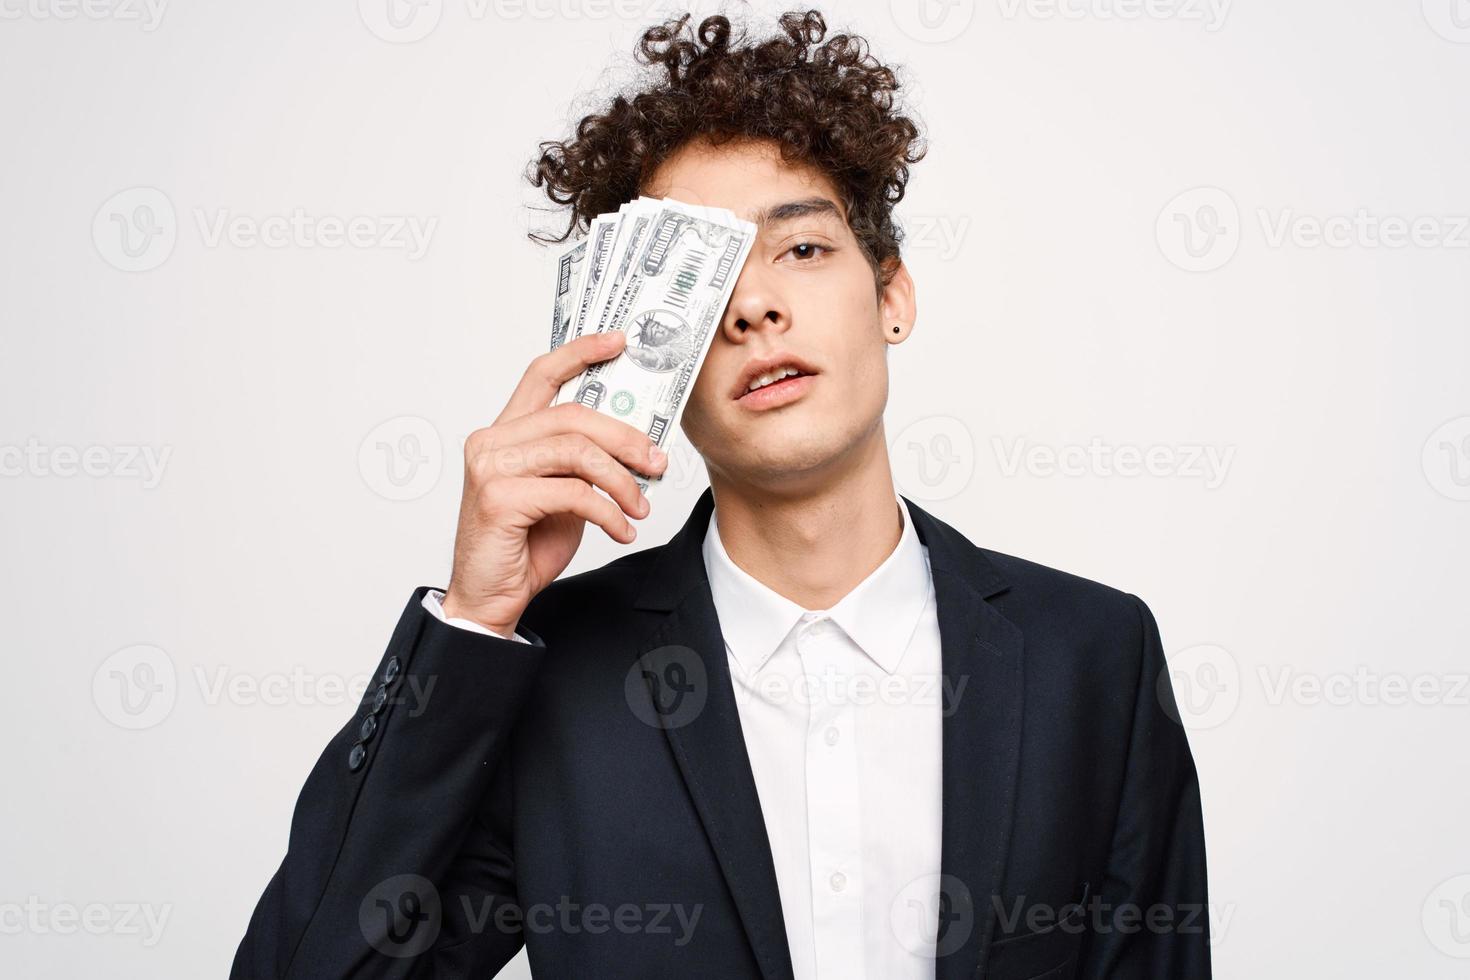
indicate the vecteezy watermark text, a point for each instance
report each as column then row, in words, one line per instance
column 122, row 461
column 402, row 916
column 1100, row 917
column 37, row 917
column 405, row 233
column 148, row 14
column 1209, row 464
column 1210, row 13
column 136, row 230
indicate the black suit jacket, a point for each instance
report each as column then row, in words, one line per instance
column 590, row 796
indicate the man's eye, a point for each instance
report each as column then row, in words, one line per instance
column 805, row 251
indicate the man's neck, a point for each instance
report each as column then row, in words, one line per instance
column 816, row 545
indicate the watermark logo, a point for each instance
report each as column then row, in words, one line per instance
column 932, row 21
column 667, row 687
column 1446, row 917
column 402, row 458
column 136, row 687
column 1446, row 459
column 1450, row 19
column 933, row 458
column 401, row 21
column 135, row 230
column 932, row 916
column 1199, row 230
column 401, row 916
column 1200, row 686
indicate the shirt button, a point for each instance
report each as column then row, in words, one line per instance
column 838, row 881
column 832, row 735
column 390, row 672
column 355, row 757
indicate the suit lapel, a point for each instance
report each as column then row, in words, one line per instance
column 981, row 655
column 685, row 665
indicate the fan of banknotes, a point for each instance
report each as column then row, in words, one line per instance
column 662, row 272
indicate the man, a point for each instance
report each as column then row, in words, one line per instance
column 818, row 733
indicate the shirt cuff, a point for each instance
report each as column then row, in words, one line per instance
column 433, row 602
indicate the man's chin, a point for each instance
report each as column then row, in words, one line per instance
column 778, row 467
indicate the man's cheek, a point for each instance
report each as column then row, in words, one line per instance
column 696, row 418
column 706, row 388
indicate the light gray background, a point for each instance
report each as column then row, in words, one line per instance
column 1113, row 244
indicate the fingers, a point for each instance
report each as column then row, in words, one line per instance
column 569, row 454
column 548, row 372
column 539, row 497
column 616, row 437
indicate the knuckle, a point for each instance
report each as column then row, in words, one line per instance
column 577, row 445
column 491, row 503
column 476, row 443
column 596, row 461
column 566, row 454
column 506, row 460
column 478, row 468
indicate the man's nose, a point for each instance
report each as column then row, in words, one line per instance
column 755, row 304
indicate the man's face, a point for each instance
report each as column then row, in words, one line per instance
column 806, row 294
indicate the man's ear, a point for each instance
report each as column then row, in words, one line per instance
column 897, row 306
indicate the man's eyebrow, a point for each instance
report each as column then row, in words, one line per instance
column 791, row 210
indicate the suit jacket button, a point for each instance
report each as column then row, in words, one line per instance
column 369, row 725
column 356, row 757
column 391, row 671
column 380, row 698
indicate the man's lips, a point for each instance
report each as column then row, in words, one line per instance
column 779, row 393
column 757, row 367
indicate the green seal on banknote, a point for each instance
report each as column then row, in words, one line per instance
column 623, row 402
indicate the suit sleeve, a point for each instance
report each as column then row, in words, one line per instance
column 378, row 876
column 1151, row 920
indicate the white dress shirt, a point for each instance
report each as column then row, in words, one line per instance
column 841, row 711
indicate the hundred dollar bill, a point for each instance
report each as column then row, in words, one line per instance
column 635, row 218
column 599, row 241
column 672, row 295
column 569, row 266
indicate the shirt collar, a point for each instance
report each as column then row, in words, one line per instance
column 879, row 614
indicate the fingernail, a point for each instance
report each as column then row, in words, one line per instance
column 657, row 456
column 643, row 504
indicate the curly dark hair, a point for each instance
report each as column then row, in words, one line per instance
column 828, row 104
